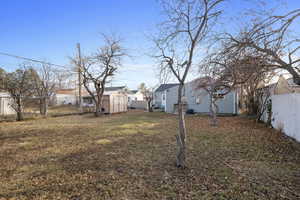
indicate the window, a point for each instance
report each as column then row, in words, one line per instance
column 219, row 96
column 198, row 100
column 163, row 97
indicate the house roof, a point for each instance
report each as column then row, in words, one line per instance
column 134, row 91
column 115, row 88
column 84, row 92
column 71, row 91
column 290, row 82
column 164, row 87
column 66, row 91
column 4, row 94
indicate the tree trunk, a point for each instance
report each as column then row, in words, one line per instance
column 44, row 106
column 213, row 110
column 181, row 137
column 98, row 111
column 149, row 106
column 41, row 106
column 19, row 110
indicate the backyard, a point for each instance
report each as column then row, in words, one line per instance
column 132, row 156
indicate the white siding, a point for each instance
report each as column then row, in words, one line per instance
column 65, row 99
column 158, row 99
column 133, row 98
column 286, row 114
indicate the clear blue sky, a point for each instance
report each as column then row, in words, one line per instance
column 50, row 29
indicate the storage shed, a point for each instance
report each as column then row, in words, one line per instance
column 5, row 104
column 112, row 103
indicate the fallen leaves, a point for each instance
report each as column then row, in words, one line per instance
column 132, row 156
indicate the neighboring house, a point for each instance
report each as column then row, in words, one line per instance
column 194, row 98
column 71, row 96
column 65, row 97
column 159, row 100
column 136, row 100
column 134, row 96
column 284, row 86
column 6, row 104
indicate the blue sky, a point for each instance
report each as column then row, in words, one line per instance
column 50, row 29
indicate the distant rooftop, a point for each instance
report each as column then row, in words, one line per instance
column 66, row 91
column 72, row 91
column 115, row 88
column 134, row 91
column 4, row 94
column 164, row 87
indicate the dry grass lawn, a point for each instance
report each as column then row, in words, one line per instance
column 131, row 156
column 32, row 112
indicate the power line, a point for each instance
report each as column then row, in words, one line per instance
column 31, row 59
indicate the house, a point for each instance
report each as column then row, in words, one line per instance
column 6, row 103
column 159, row 100
column 285, row 86
column 65, row 97
column 136, row 99
column 71, row 96
column 166, row 97
column 135, row 95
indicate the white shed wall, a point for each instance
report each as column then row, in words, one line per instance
column 6, row 104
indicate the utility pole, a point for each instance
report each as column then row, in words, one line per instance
column 79, row 77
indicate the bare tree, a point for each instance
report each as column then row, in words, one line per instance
column 187, row 25
column 263, row 99
column 272, row 39
column 218, row 78
column 216, row 88
column 19, row 85
column 98, row 69
column 148, row 95
column 2, row 78
column 44, row 84
column 243, row 68
column 65, row 77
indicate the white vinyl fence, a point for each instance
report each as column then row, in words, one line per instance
column 286, row 114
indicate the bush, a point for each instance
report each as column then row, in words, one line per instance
column 190, row 111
